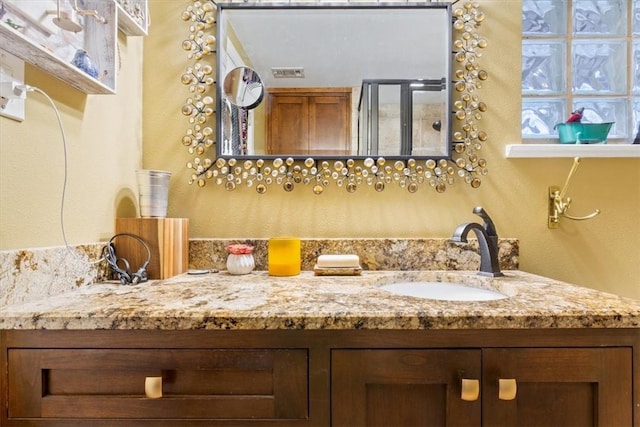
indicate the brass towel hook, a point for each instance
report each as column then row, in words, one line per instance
column 559, row 205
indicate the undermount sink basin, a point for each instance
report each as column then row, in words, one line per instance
column 443, row 291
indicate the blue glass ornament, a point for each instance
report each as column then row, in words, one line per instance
column 82, row 60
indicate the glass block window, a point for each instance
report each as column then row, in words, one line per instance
column 580, row 54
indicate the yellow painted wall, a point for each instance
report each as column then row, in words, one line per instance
column 104, row 142
column 603, row 253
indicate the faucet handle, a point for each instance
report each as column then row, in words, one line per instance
column 488, row 225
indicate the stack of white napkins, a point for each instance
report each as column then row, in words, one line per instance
column 338, row 265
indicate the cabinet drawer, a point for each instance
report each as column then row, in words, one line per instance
column 205, row 384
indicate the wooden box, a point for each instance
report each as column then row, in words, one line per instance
column 168, row 241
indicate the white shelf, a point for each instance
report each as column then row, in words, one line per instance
column 98, row 39
column 128, row 25
column 526, row 151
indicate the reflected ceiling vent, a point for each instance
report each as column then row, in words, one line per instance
column 288, row 72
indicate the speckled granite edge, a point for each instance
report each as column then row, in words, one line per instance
column 375, row 254
column 31, row 274
column 258, row 301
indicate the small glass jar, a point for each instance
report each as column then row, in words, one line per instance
column 240, row 263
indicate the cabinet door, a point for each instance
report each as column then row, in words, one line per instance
column 403, row 387
column 559, row 387
column 302, row 122
column 329, row 125
column 288, row 125
column 196, row 384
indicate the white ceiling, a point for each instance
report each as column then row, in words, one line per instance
column 341, row 47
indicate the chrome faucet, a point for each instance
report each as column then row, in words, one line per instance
column 487, row 240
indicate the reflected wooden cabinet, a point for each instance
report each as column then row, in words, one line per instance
column 308, row 121
column 520, row 387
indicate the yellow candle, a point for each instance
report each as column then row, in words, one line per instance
column 284, row 256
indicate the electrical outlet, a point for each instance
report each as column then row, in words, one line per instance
column 11, row 70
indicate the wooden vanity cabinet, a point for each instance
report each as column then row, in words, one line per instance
column 403, row 387
column 559, row 387
column 196, row 384
column 540, row 387
column 571, row 377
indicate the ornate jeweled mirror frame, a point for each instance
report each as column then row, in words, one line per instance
column 286, row 172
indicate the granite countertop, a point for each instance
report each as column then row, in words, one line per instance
column 258, row 301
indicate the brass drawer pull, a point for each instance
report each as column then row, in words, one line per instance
column 470, row 390
column 153, row 387
column 507, row 389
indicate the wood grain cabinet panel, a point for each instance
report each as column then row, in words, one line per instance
column 321, row 378
column 403, row 387
column 553, row 387
column 167, row 239
column 209, row 384
column 559, row 387
column 309, row 121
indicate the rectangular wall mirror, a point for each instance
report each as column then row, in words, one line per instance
column 334, row 81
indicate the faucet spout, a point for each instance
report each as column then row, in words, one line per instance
column 487, row 241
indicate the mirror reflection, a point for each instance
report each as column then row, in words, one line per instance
column 406, row 111
column 243, row 88
column 335, row 81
